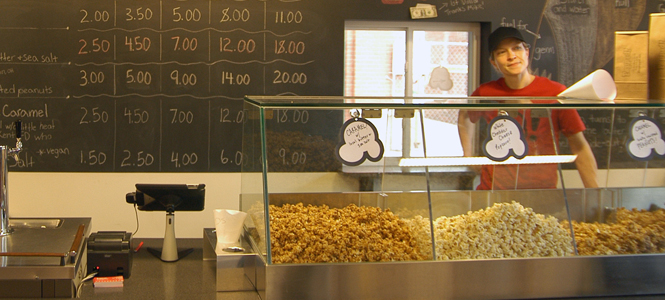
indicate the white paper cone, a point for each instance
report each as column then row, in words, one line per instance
column 597, row 85
column 228, row 225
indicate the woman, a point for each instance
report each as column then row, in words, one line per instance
column 509, row 55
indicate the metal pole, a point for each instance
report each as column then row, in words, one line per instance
column 4, row 193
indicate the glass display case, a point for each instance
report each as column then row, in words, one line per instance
column 472, row 198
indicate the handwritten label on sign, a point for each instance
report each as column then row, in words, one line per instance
column 359, row 140
column 451, row 7
column 505, row 138
column 645, row 139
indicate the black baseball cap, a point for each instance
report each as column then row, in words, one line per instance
column 501, row 34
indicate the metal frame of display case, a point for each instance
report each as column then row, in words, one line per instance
column 527, row 278
column 510, row 278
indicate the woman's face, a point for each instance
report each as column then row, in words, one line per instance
column 511, row 57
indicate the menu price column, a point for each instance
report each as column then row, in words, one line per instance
column 138, row 50
column 184, row 135
column 95, row 135
column 88, row 115
column 226, row 129
column 138, row 141
column 289, row 49
column 237, row 55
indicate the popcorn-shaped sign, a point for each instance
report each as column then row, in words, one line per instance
column 505, row 138
column 646, row 139
column 359, row 141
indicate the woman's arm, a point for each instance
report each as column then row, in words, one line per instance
column 586, row 161
column 466, row 130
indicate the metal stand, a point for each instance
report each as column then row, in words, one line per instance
column 169, row 251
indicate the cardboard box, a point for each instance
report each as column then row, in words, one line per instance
column 657, row 56
column 631, row 72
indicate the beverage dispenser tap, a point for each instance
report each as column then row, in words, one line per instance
column 4, row 191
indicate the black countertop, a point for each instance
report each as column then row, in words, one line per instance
column 190, row 277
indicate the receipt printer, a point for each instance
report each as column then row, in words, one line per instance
column 110, row 253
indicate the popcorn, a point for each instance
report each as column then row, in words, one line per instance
column 312, row 234
column 502, row 231
column 633, row 232
column 307, row 234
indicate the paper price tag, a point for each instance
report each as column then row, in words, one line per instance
column 645, row 140
column 359, row 141
column 505, row 138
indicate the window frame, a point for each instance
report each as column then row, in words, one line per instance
column 409, row 27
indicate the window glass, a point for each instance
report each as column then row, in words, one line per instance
column 412, row 60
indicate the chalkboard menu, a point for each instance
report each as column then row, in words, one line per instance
column 157, row 85
column 148, row 86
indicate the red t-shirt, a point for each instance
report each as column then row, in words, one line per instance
column 536, row 126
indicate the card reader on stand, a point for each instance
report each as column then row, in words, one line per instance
column 110, row 253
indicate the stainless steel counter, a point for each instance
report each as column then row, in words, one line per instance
column 43, row 257
column 41, row 242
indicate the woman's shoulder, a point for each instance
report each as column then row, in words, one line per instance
column 546, row 82
column 490, row 88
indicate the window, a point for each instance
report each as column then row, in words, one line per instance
column 413, row 59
